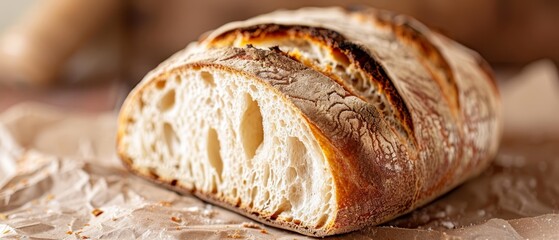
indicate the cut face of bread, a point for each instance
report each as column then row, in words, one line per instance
column 233, row 139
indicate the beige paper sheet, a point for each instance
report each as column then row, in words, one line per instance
column 60, row 179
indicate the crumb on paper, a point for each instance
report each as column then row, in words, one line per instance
column 440, row 214
column 6, row 231
column 236, row 234
column 69, row 232
column 263, row 231
column 208, row 212
column 85, row 237
column 3, row 216
column 86, row 225
column 49, row 197
column 251, row 225
column 424, row 218
column 96, row 212
column 176, row 219
column 448, row 224
column 165, row 203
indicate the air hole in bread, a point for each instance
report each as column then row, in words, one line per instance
column 160, row 84
column 298, row 154
column 214, row 155
column 214, row 185
column 141, row 103
column 189, row 168
column 339, row 68
column 170, row 137
column 298, row 149
column 167, row 101
column 239, row 171
column 322, row 220
column 178, row 79
column 341, row 58
column 202, row 174
column 361, row 83
column 291, row 174
column 253, row 88
column 382, row 106
column 208, row 78
column 252, row 131
column 229, row 92
column 254, row 192
column 265, row 174
column 285, row 206
column 328, row 195
column 288, row 219
column 153, row 173
column 295, row 195
column 267, row 195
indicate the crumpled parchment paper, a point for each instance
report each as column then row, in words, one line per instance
column 60, row 179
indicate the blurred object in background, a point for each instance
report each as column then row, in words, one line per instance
column 513, row 32
column 74, row 45
column 52, row 40
column 85, row 43
column 101, row 97
column 532, row 98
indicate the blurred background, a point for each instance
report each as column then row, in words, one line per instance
column 87, row 55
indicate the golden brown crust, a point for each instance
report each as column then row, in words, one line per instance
column 443, row 94
column 417, row 36
column 339, row 45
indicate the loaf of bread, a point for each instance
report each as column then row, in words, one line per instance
column 319, row 120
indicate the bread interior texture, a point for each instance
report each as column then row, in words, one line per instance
column 231, row 139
